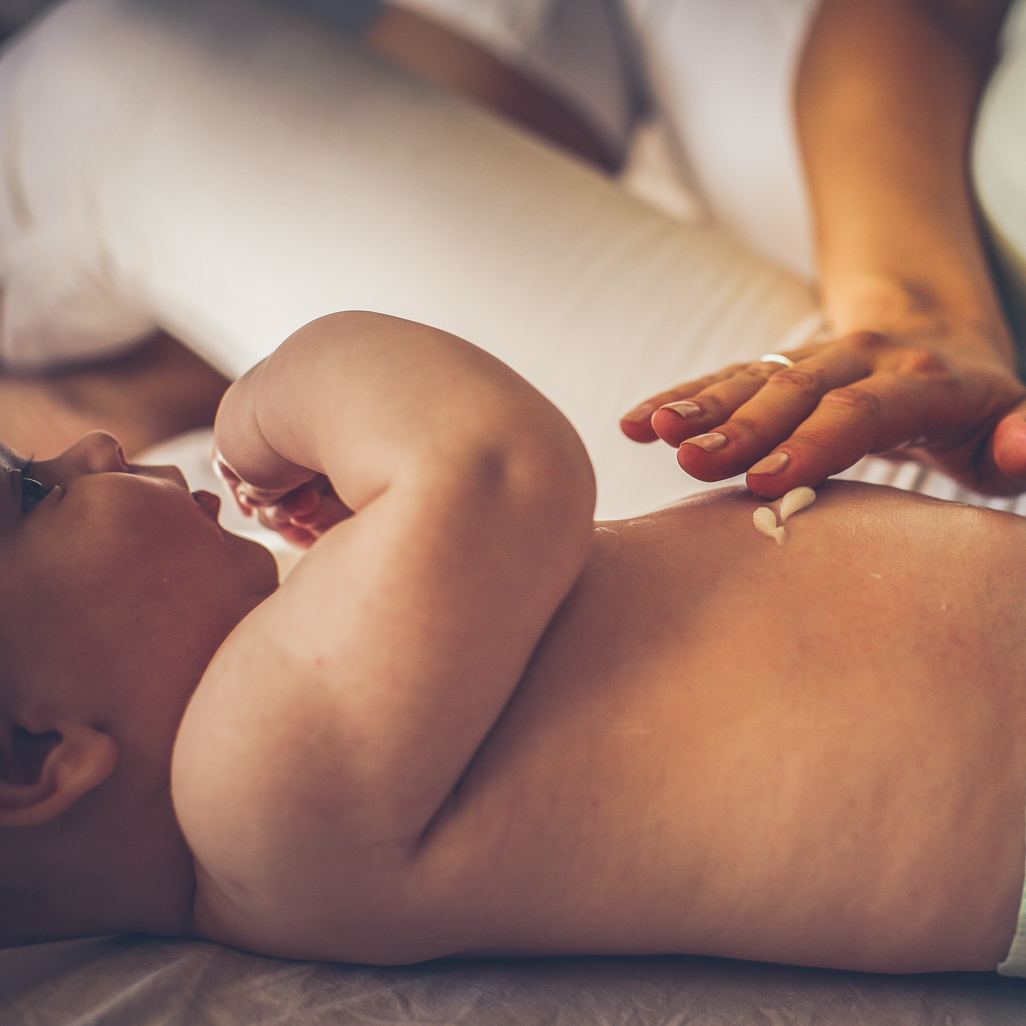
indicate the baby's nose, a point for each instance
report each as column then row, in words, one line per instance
column 99, row 452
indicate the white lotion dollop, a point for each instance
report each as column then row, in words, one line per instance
column 795, row 500
column 765, row 521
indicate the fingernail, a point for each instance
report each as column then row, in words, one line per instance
column 711, row 442
column 774, row 463
column 685, row 409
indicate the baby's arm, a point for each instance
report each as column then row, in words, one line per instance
column 338, row 719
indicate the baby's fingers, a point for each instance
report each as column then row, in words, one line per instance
column 305, row 513
column 273, row 518
column 301, row 502
column 247, row 496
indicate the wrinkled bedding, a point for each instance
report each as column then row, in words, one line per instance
column 143, row 982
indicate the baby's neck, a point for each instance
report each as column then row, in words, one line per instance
column 126, row 873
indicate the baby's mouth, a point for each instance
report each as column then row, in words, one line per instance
column 208, row 502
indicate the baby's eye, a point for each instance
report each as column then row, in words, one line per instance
column 32, row 492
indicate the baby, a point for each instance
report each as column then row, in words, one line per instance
column 472, row 722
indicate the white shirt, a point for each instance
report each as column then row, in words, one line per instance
column 720, row 74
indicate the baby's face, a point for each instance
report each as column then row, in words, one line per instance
column 117, row 576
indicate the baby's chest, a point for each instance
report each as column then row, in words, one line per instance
column 578, row 822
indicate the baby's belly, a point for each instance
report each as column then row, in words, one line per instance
column 785, row 753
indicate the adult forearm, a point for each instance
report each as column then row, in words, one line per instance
column 917, row 355
column 886, row 97
column 149, row 394
column 439, row 55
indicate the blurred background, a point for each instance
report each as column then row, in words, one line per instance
column 14, row 13
column 344, row 14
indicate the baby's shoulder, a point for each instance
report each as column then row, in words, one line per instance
column 295, row 839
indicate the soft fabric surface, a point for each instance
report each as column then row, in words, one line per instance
column 721, row 82
column 141, row 982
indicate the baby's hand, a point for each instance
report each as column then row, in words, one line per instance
column 300, row 516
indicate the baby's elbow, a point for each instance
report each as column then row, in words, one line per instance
column 566, row 487
column 550, row 480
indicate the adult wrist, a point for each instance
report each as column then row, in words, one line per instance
column 965, row 320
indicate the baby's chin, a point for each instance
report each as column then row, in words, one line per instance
column 271, row 545
column 258, row 562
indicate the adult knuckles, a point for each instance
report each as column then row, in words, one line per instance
column 855, row 399
column 819, row 442
column 713, row 407
column 867, row 344
column 797, row 380
column 744, row 428
column 898, row 356
column 920, row 361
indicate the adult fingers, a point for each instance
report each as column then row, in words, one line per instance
column 712, row 405
column 884, row 412
column 1002, row 468
column 771, row 415
column 793, row 394
column 637, row 425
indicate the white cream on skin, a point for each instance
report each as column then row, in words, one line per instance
column 795, row 500
column 765, row 520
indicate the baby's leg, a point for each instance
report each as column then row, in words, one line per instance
column 238, row 172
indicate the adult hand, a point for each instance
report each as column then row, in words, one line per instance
column 862, row 393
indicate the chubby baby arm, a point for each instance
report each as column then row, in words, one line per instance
column 338, row 719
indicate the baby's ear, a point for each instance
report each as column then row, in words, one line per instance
column 43, row 775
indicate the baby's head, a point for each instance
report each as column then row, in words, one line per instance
column 116, row 589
